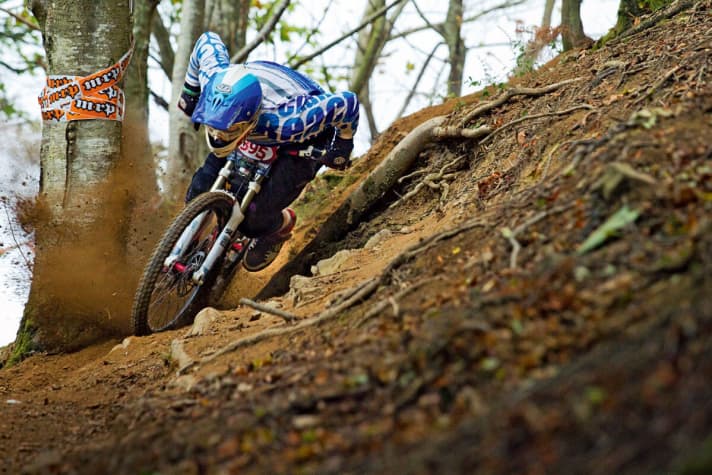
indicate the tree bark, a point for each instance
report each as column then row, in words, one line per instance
column 370, row 44
column 548, row 11
column 572, row 29
column 138, row 168
column 456, row 47
column 629, row 10
column 184, row 141
column 163, row 39
column 78, row 287
column 229, row 18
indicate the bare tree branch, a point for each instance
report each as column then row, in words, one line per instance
column 316, row 28
column 159, row 100
column 241, row 55
column 407, row 100
column 12, row 68
column 363, row 25
column 22, row 20
column 438, row 26
column 368, row 109
column 162, row 37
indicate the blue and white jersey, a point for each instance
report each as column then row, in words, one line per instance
column 294, row 107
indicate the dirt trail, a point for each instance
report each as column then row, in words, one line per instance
column 504, row 341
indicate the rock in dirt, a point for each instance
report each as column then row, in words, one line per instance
column 377, row 239
column 185, row 382
column 332, row 264
column 179, row 355
column 123, row 345
column 203, row 321
column 301, row 288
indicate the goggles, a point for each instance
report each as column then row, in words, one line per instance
column 222, row 142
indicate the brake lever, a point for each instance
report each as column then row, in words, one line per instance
column 312, row 152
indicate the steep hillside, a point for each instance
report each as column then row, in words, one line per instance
column 535, row 301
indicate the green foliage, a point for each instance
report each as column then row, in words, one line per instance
column 473, row 82
column 288, row 31
column 652, row 5
column 524, row 62
column 6, row 108
column 611, row 228
column 22, row 52
column 321, row 191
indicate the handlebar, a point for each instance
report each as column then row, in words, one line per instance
column 310, row 152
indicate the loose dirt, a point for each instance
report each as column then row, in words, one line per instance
column 500, row 337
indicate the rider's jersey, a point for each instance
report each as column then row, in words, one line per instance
column 294, row 107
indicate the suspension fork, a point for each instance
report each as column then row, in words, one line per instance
column 195, row 226
column 226, row 235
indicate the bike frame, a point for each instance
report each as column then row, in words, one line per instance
column 228, row 231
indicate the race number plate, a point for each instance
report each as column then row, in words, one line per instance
column 257, row 152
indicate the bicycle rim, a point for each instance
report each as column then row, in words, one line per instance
column 175, row 292
column 166, row 296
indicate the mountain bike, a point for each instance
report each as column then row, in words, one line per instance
column 202, row 249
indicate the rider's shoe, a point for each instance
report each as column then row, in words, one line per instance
column 261, row 252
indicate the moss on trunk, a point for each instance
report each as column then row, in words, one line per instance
column 24, row 343
column 629, row 10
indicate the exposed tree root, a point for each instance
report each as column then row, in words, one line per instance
column 511, row 235
column 535, row 116
column 452, row 132
column 510, row 93
column 288, row 317
column 435, row 181
column 371, row 190
column 396, row 164
column 361, row 292
column 393, row 301
column 658, row 85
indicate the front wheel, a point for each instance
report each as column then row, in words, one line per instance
column 166, row 296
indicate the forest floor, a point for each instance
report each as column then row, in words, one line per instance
column 542, row 305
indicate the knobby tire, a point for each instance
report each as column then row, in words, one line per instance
column 217, row 202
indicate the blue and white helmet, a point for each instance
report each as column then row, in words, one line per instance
column 228, row 107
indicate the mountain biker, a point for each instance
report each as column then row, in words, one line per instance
column 257, row 106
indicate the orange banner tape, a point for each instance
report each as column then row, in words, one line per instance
column 96, row 96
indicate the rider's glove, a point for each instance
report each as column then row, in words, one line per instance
column 338, row 155
column 188, row 99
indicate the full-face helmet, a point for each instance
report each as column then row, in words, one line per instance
column 228, row 107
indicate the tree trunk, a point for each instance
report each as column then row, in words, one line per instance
column 629, row 10
column 371, row 42
column 78, row 289
column 183, row 144
column 548, row 11
column 229, row 19
column 456, row 47
column 138, row 168
column 572, row 29
column 163, row 38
